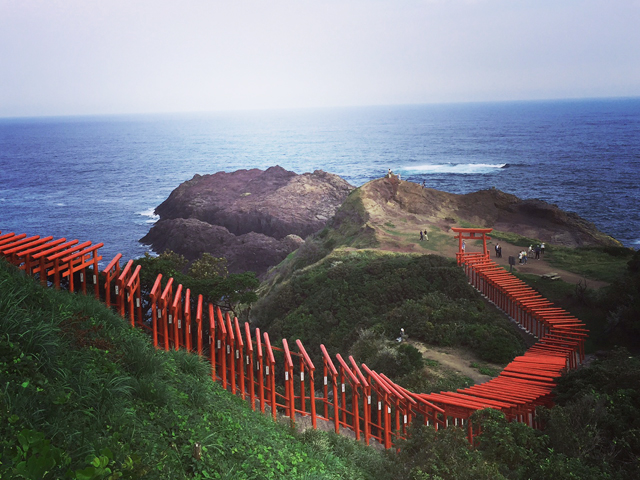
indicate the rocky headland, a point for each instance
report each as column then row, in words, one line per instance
column 253, row 218
column 409, row 207
column 256, row 218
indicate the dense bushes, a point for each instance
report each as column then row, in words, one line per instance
column 350, row 292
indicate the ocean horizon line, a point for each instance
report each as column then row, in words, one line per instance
column 303, row 109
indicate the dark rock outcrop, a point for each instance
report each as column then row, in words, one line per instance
column 254, row 218
column 492, row 208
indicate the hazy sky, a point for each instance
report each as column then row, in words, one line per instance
column 62, row 57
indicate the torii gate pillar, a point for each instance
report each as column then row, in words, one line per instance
column 471, row 234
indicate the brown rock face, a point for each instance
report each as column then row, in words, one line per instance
column 486, row 208
column 254, row 218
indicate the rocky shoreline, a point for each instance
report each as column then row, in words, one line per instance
column 255, row 218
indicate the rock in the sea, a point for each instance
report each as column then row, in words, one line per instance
column 254, row 218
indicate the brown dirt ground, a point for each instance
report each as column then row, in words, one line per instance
column 456, row 359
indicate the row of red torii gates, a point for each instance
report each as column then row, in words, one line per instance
column 282, row 379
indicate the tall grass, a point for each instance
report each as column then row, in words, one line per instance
column 89, row 394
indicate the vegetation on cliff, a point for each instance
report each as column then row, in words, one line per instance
column 206, row 276
column 358, row 301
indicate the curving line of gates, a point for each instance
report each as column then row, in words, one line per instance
column 283, row 379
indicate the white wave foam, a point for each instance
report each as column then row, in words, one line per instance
column 60, row 204
column 153, row 218
column 455, row 168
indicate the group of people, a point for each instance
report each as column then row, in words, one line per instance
column 498, row 250
column 423, row 235
column 533, row 251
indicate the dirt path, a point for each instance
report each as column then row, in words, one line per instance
column 538, row 267
column 456, row 359
column 401, row 235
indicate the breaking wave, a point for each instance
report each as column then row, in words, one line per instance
column 150, row 214
column 461, row 168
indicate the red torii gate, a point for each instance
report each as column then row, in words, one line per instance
column 471, row 234
column 363, row 401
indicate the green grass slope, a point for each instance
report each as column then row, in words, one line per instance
column 82, row 395
column 354, row 301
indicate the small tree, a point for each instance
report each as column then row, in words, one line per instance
column 207, row 276
column 208, row 267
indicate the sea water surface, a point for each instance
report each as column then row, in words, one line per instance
column 100, row 178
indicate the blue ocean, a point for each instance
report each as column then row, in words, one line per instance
column 100, row 178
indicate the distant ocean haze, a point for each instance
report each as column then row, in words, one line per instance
column 100, row 178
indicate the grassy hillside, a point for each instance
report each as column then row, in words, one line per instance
column 357, row 301
column 84, row 396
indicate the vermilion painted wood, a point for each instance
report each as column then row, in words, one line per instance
column 271, row 374
column 524, row 384
column 187, row 321
column 221, row 345
column 329, row 368
column 250, row 366
column 133, row 292
column 29, row 255
column 288, row 382
column 230, row 352
column 77, row 262
column 15, row 241
column 260, row 368
column 111, row 271
column 199, row 323
column 154, row 295
column 58, row 262
column 13, row 254
column 165, row 312
column 212, row 341
column 176, row 317
column 239, row 358
column 121, row 281
column 308, row 365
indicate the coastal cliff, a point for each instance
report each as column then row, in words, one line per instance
column 256, row 218
column 253, row 218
